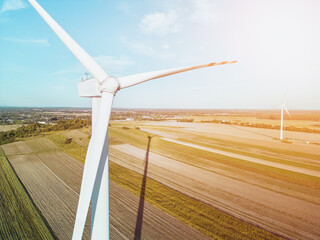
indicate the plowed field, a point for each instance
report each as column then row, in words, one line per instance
column 53, row 181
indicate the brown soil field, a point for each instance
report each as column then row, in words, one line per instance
column 56, row 200
column 53, row 180
column 290, row 152
column 253, row 198
column 16, row 148
column 40, row 145
column 268, row 183
column 64, row 167
column 250, row 159
column 244, row 134
column 286, row 206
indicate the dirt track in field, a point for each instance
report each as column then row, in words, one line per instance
column 53, row 181
column 277, row 211
column 250, row 159
column 231, row 131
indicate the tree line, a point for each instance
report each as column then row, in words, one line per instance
column 35, row 129
column 264, row 125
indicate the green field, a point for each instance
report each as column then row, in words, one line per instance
column 19, row 219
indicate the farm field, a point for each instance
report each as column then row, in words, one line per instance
column 271, row 187
column 269, row 135
column 282, row 201
column 278, row 189
column 53, row 180
column 19, row 218
column 56, row 200
column 165, row 198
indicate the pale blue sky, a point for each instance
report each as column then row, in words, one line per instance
column 276, row 43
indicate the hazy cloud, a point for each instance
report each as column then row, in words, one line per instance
column 160, row 23
column 203, row 11
column 114, row 64
column 9, row 5
column 144, row 49
column 42, row 42
column 124, row 7
column 165, row 46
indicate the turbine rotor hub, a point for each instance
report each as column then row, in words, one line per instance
column 110, row 84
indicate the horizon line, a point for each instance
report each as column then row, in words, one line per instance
column 157, row 108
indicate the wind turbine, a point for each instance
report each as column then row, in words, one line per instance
column 101, row 89
column 283, row 107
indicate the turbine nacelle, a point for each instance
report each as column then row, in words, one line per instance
column 92, row 88
column 89, row 88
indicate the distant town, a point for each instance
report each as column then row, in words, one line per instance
column 299, row 120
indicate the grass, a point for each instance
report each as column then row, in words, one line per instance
column 19, row 219
column 207, row 219
column 73, row 149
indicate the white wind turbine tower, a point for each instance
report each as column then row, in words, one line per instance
column 283, row 107
column 102, row 89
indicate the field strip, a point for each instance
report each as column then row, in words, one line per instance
column 63, row 166
column 19, row 218
column 274, row 211
column 16, row 148
column 53, row 182
column 132, row 201
column 41, row 145
column 226, row 129
column 60, row 180
column 156, row 223
column 304, row 155
column 278, row 158
column 56, row 201
column 246, row 158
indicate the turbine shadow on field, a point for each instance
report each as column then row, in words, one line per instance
column 138, row 229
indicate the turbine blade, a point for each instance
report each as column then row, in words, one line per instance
column 285, row 108
column 132, row 80
column 92, row 163
column 87, row 61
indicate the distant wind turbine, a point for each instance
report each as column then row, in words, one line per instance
column 101, row 89
column 283, row 107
